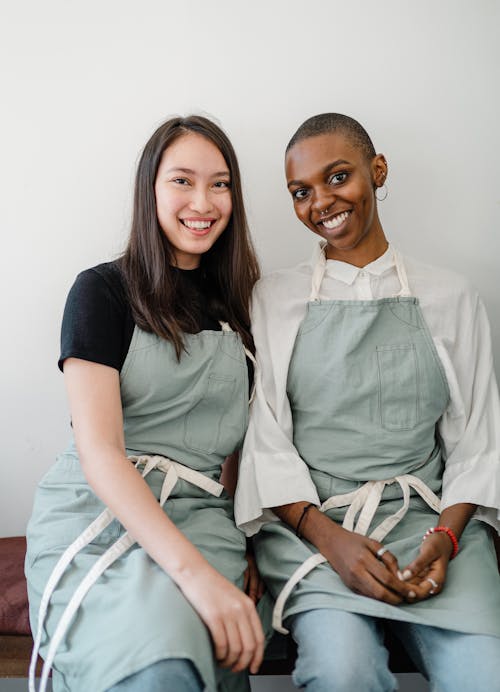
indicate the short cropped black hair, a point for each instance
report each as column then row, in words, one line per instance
column 327, row 123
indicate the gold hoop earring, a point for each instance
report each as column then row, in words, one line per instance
column 381, row 199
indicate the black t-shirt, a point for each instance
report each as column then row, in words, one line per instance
column 98, row 324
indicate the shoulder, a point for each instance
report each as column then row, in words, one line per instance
column 104, row 282
column 106, row 276
column 439, row 285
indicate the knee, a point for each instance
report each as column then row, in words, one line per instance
column 170, row 674
column 340, row 651
column 343, row 674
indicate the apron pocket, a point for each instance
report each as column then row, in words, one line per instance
column 398, row 386
column 203, row 422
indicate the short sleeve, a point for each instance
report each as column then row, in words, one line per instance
column 97, row 324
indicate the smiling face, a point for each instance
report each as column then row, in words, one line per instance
column 333, row 190
column 193, row 197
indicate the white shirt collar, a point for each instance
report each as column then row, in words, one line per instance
column 348, row 273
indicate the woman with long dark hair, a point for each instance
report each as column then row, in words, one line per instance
column 374, row 440
column 134, row 564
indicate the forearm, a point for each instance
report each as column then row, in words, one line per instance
column 456, row 517
column 352, row 556
column 315, row 526
column 120, row 486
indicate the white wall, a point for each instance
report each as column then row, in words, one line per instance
column 83, row 85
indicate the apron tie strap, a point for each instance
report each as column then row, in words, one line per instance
column 173, row 471
column 304, row 569
column 317, row 275
column 365, row 501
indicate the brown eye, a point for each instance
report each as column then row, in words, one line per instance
column 299, row 195
column 337, row 178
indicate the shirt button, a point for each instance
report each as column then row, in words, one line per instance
column 362, row 274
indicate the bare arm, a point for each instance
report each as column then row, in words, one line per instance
column 253, row 584
column 94, row 396
column 229, row 475
column 351, row 555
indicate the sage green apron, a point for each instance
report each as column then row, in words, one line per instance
column 108, row 609
column 366, row 390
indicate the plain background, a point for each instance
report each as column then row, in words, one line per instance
column 84, row 84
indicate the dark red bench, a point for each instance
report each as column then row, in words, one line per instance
column 15, row 632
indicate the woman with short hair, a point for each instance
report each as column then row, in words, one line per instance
column 371, row 461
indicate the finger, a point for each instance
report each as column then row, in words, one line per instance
column 258, row 654
column 248, row 644
column 219, row 638
column 387, row 558
column 427, row 588
column 373, row 586
column 234, row 644
column 254, row 585
column 420, row 565
column 433, row 586
column 390, row 580
column 430, row 551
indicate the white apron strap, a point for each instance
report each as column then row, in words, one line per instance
column 304, row 569
column 317, row 275
column 403, row 278
column 92, row 531
column 364, row 501
column 226, row 328
column 173, row 471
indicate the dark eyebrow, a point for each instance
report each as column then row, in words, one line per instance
column 326, row 169
column 191, row 172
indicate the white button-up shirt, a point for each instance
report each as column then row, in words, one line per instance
column 271, row 470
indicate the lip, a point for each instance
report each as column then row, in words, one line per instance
column 337, row 229
column 200, row 219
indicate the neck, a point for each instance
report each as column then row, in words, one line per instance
column 370, row 249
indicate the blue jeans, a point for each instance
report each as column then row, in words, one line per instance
column 169, row 675
column 342, row 651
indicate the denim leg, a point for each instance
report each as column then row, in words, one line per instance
column 451, row 660
column 168, row 675
column 340, row 651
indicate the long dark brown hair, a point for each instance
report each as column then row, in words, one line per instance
column 230, row 265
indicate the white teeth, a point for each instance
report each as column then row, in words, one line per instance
column 336, row 220
column 197, row 225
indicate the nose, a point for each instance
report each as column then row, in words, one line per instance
column 200, row 200
column 323, row 199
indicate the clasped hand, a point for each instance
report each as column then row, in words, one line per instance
column 354, row 558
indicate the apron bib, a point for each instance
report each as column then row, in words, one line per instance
column 86, row 574
column 366, row 390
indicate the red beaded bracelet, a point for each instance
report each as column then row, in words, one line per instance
column 449, row 533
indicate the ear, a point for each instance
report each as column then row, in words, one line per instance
column 379, row 170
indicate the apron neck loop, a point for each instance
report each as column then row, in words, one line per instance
column 318, row 274
column 403, row 279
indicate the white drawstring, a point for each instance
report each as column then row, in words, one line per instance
column 173, row 471
column 365, row 501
